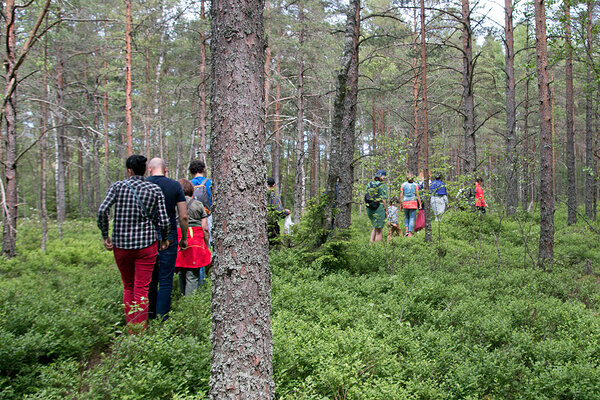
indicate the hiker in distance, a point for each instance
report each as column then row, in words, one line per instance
column 202, row 190
column 376, row 202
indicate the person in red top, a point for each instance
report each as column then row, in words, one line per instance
column 479, row 197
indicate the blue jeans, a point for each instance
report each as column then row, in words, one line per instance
column 202, row 277
column 410, row 215
column 159, row 294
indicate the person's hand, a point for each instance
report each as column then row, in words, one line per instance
column 183, row 244
column 164, row 244
column 108, row 244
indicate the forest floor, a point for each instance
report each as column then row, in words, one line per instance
column 467, row 317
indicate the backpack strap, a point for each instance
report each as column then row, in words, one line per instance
column 144, row 209
column 189, row 203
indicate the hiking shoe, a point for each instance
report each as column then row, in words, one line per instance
column 409, row 234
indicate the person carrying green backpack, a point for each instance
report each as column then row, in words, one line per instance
column 376, row 202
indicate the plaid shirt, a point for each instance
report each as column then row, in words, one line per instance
column 132, row 229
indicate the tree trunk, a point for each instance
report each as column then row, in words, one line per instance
column 241, row 366
column 413, row 147
column 128, row 103
column 147, row 119
column 276, row 162
column 348, row 145
column 44, row 150
column 570, row 107
column 203, row 141
column 343, row 125
column 511, row 194
column 314, row 171
column 300, row 181
column 546, row 244
column 528, row 182
column 60, row 144
column 9, row 192
column 425, row 125
column 470, row 157
column 106, row 144
column 590, row 182
column 80, row 169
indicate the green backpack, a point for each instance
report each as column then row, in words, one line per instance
column 372, row 196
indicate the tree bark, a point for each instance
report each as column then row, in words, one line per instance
column 203, row 140
column 276, row 162
column 300, row 177
column 470, row 157
column 510, row 197
column 106, row 143
column 314, row 171
column 147, row 119
column 128, row 102
column 425, row 125
column 348, row 145
column 546, row 243
column 413, row 147
column 44, row 151
column 343, row 125
column 590, row 182
column 60, row 143
column 241, row 366
column 570, row 108
column 9, row 192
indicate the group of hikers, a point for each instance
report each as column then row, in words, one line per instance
column 379, row 211
column 161, row 226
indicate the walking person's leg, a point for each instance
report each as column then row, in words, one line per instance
column 160, row 299
column 124, row 260
column 406, row 220
column 191, row 280
column 411, row 220
column 144, row 266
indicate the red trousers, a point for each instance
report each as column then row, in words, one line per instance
column 136, row 268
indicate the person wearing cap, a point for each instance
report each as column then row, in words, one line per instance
column 376, row 199
column 439, row 197
column 411, row 203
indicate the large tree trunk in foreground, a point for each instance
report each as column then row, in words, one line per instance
column 546, row 245
column 344, row 117
column 470, row 156
column 510, row 197
column 570, row 107
column 241, row 366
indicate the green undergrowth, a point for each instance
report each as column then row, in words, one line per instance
column 455, row 319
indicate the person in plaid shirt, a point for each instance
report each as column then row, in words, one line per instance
column 139, row 210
